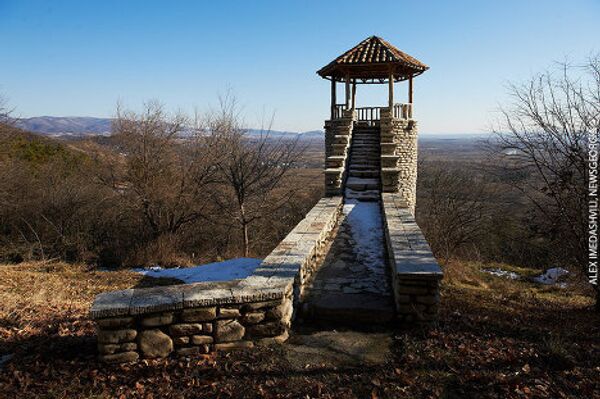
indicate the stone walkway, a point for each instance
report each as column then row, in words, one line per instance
column 352, row 285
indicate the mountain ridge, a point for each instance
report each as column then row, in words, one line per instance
column 94, row 126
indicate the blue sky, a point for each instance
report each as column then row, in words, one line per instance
column 78, row 58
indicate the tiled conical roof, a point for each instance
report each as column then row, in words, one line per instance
column 372, row 59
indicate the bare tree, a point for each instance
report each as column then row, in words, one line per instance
column 452, row 208
column 541, row 142
column 5, row 112
column 167, row 169
column 252, row 170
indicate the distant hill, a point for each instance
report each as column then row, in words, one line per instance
column 66, row 125
column 90, row 126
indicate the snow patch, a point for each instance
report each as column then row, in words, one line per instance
column 551, row 276
column 502, row 273
column 232, row 269
column 364, row 219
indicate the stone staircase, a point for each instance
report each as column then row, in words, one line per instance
column 353, row 284
column 364, row 181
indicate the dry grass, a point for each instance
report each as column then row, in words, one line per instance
column 496, row 338
column 38, row 299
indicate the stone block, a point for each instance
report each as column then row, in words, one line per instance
column 279, row 339
column 177, row 330
column 234, row 345
column 181, row 340
column 116, row 336
column 188, row 351
column 128, row 347
column 278, row 312
column 207, row 328
column 202, row 339
column 155, row 343
column 266, row 329
column 228, row 330
column 156, row 320
column 207, row 294
column 156, row 299
column 111, row 304
column 108, row 349
column 199, row 314
column 253, row 317
column 123, row 357
column 229, row 313
column 114, row 323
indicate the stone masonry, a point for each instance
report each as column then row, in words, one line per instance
column 399, row 157
column 338, row 135
column 415, row 272
column 199, row 318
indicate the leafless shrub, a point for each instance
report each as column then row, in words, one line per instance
column 541, row 145
column 453, row 208
column 252, row 171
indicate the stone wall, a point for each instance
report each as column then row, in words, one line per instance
column 198, row 318
column 415, row 272
column 399, row 157
column 338, row 136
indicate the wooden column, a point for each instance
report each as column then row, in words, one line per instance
column 354, row 94
column 333, row 99
column 391, row 92
column 347, row 91
column 410, row 90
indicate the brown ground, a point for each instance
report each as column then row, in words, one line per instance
column 496, row 338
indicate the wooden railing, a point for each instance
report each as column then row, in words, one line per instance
column 368, row 114
column 371, row 115
column 403, row 111
column 338, row 111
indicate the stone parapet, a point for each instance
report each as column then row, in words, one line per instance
column 399, row 157
column 199, row 318
column 415, row 271
column 338, row 137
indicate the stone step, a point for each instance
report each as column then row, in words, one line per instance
column 374, row 144
column 374, row 173
column 349, row 309
column 364, row 166
column 363, row 158
column 335, row 161
column 367, row 195
column 334, row 170
column 362, row 184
